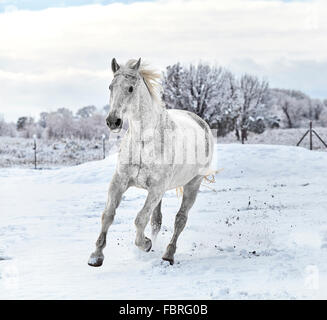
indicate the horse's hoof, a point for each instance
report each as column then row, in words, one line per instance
column 95, row 260
column 170, row 260
column 148, row 244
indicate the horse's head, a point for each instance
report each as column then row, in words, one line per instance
column 123, row 92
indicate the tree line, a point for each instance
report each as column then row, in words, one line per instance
column 87, row 123
column 243, row 104
column 228, row 103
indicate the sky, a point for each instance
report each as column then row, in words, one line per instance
column 57, row 53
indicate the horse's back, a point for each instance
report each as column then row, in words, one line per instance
column 195, row 141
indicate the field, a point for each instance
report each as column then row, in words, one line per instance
column 259, row 232
column 18, row 152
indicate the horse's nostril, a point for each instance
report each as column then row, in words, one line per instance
column 118, row 122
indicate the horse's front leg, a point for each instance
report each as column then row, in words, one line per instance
column 117, row 187
column 143, row 217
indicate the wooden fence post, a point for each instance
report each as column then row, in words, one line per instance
column 34, row 137
column 310, row 135
column 104, row 146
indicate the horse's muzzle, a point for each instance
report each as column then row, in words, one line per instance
column 114, row 123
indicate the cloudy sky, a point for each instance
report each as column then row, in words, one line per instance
column 57, row 53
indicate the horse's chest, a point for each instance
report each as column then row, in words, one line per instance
column 144, row 162
column 146, row 176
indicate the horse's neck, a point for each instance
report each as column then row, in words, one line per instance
column 150, row 115
column 148, row 121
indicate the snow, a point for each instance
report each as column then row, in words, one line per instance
column 261, row 234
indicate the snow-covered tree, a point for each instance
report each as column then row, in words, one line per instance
column 296, row 108
column 60, row 123
column 43, row 119
column 86, row 112
column 224, row 112
column 210, row 92
column 253, row 94
column 316, row 107
column 174, row 87
column 26, row 126
column 7, row 129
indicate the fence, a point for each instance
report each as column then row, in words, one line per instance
column 104, row 144
column 311, row 132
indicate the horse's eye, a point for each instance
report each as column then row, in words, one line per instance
column 130, row 89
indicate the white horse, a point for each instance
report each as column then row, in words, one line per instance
column 162, row 150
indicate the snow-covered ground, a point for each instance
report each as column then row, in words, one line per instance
column 261, row 234
column 289, row 137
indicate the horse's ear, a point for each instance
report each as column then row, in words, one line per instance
column 137, row 65
column 114, row 65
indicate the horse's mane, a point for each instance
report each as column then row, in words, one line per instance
column 151, row 78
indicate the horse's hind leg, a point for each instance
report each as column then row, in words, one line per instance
column 156, row 220
column 189, row 195
column 117, row 187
